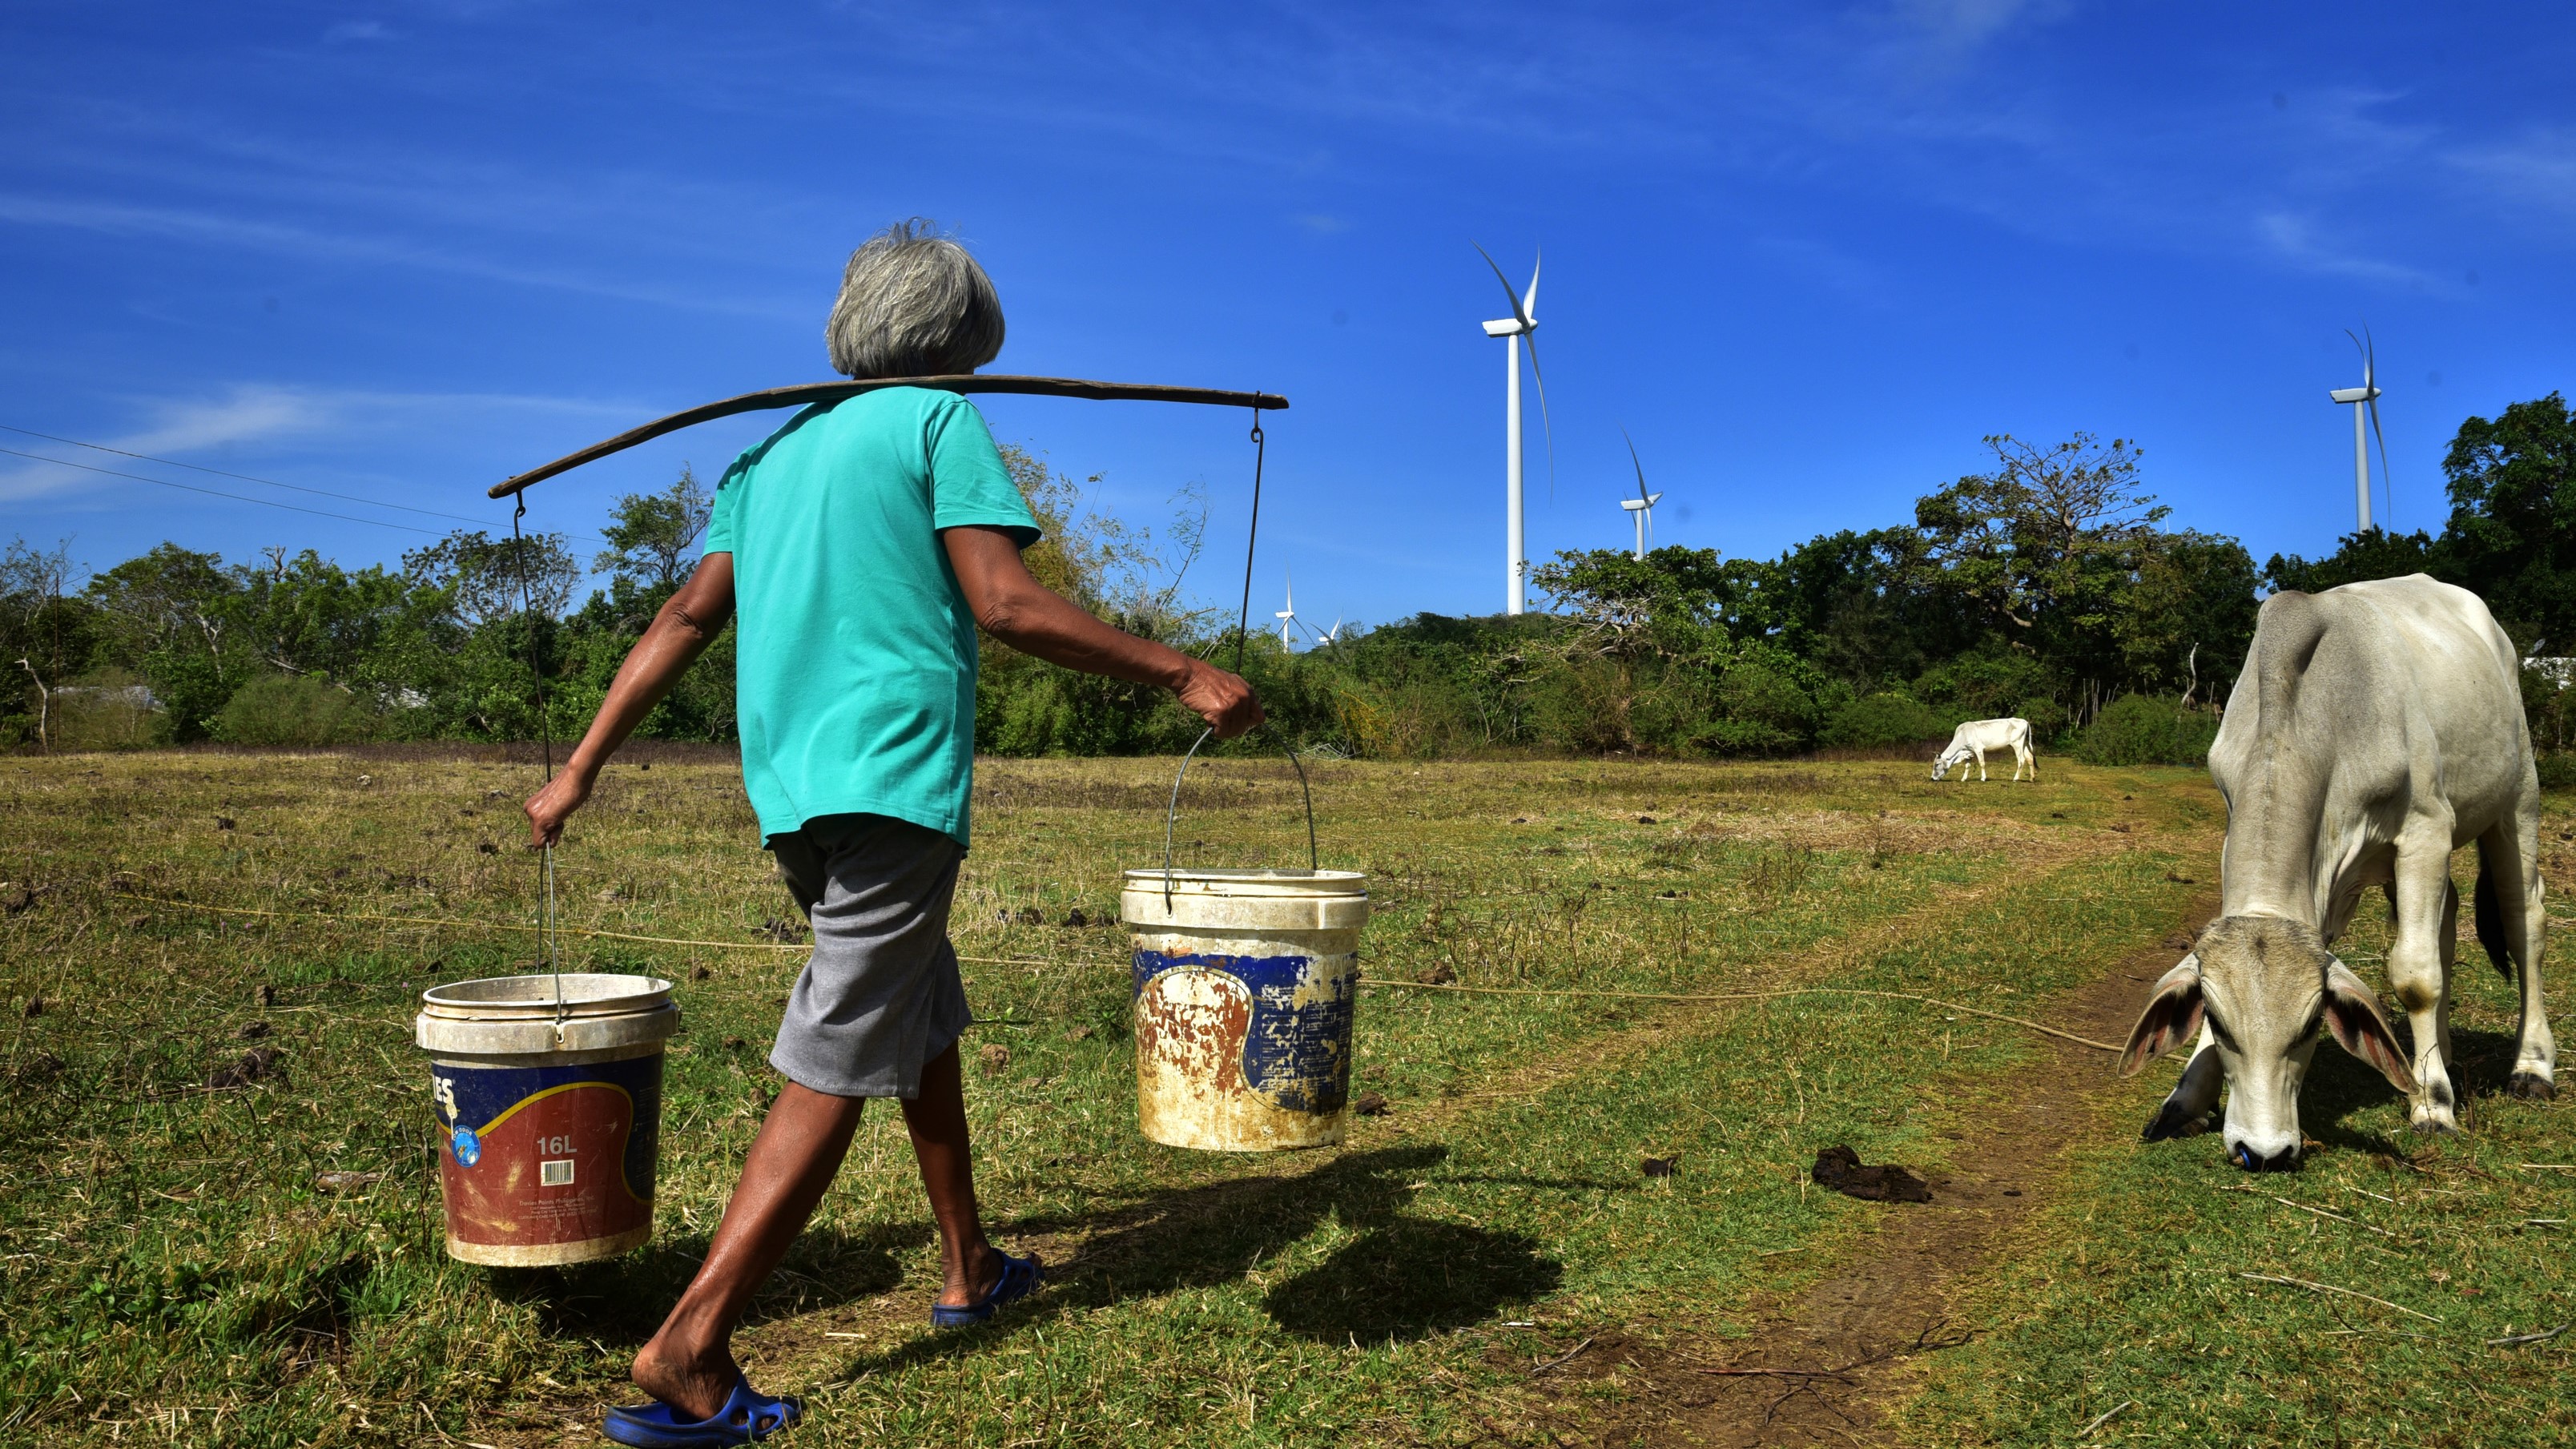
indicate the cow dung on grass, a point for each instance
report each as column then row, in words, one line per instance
column 257, row 1064
column 1840, row 1168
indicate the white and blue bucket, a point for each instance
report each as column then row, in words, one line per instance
column 1246, row 983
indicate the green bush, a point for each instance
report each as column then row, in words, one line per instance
column 2557, row 768
column 1882, row 719
column 290, row 709
column 2146, row 729
column 111, row 709
column 1763, row 688
column 2047, row 718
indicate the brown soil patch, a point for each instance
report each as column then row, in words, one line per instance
column 1824, row 1365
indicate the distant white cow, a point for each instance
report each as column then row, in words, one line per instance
column 2375, row 729
column 1980, row 735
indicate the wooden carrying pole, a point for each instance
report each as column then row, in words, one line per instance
column 806, row 393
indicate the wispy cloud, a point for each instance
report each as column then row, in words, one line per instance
column 282, row 238
column 288, row 420
column 2535, row 167
column 2293, row 240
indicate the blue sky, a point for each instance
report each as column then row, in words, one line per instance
column 1806, row 254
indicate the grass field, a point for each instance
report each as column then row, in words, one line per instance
column 1486, row 1263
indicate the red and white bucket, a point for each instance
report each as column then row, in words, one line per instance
column 548, row 1092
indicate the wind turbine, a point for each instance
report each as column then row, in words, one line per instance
column 1642, row 507
column 1333, row 635
column 1287, row 617
column 1522, row 323
column 2363, row 397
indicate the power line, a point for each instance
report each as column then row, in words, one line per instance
column 220, row 473
column 244, row 477
column 218, row 493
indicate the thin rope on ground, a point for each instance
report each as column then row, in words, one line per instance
column 1746, row 996
column 567, row 930
column 1567, row 991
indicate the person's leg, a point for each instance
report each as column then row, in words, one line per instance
column 689, row 1364
column 937, row 1118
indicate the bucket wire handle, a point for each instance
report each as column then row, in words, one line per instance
column 548, row 931
column 1243, row 613
column 1172, row 812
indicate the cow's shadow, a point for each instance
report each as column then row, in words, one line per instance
column 2339, row 1087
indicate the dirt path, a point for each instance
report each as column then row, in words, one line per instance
column 1835, row 1357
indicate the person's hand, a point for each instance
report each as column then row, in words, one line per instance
column 550, row 807
column 1220, row 698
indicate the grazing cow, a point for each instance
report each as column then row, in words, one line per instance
column 2375, row 729
column 1980, row 735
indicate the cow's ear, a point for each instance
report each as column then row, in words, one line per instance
column 2352, row 1015
column 2173, row 1014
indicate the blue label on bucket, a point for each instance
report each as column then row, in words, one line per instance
column 469, row 1148
column 1296, row 1047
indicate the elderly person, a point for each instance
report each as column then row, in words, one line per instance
column 860, row 546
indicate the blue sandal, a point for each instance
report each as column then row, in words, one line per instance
column 1020, row 1278
column 747, row 1416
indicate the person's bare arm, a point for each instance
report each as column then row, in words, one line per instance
column 1025, row 614
column 671, row 643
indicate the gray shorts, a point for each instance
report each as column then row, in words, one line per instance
column 880, row 995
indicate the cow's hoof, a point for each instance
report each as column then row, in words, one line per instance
column 2532, row 1087
column 2173, row 1120
column 2441, row 1122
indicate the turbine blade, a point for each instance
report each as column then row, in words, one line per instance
column 1550, row 428
column 1639, row 466
column 2385, row 479
column 2369, row 356
column 1518, row 315
column 1529, row 304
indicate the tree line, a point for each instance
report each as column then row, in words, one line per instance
column 2051, row 586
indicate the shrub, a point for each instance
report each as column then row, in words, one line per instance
column 1582, row 706
column 1745, row 739
column 1763, row 689
column 111, row 709
column 1982, row 686
column 290, row 709
column 2146, row 729
column 2047, row 718
column 1882, row 719
column 2557, row 768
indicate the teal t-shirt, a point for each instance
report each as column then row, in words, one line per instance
column 854, row 673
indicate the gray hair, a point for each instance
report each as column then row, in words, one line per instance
column 913, row 303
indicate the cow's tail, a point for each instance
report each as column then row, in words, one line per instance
column 2490, row 915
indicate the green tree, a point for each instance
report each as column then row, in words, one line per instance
column 2372, row 553
column 169, row 615
column 46, row 636
column 652, row 537
column 2512, row 531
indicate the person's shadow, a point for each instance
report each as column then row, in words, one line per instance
column 1398, row 1277
column 623, row 1300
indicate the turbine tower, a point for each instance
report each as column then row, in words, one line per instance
column 1287, row 617
column 1522, row 323
column 1642, row 507
column 2364, row 397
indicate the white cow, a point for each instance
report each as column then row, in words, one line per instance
column 2376, row 728
column 1980, row 735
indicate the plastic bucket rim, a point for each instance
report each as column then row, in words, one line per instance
column 649, row 994
column 1333, row 882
